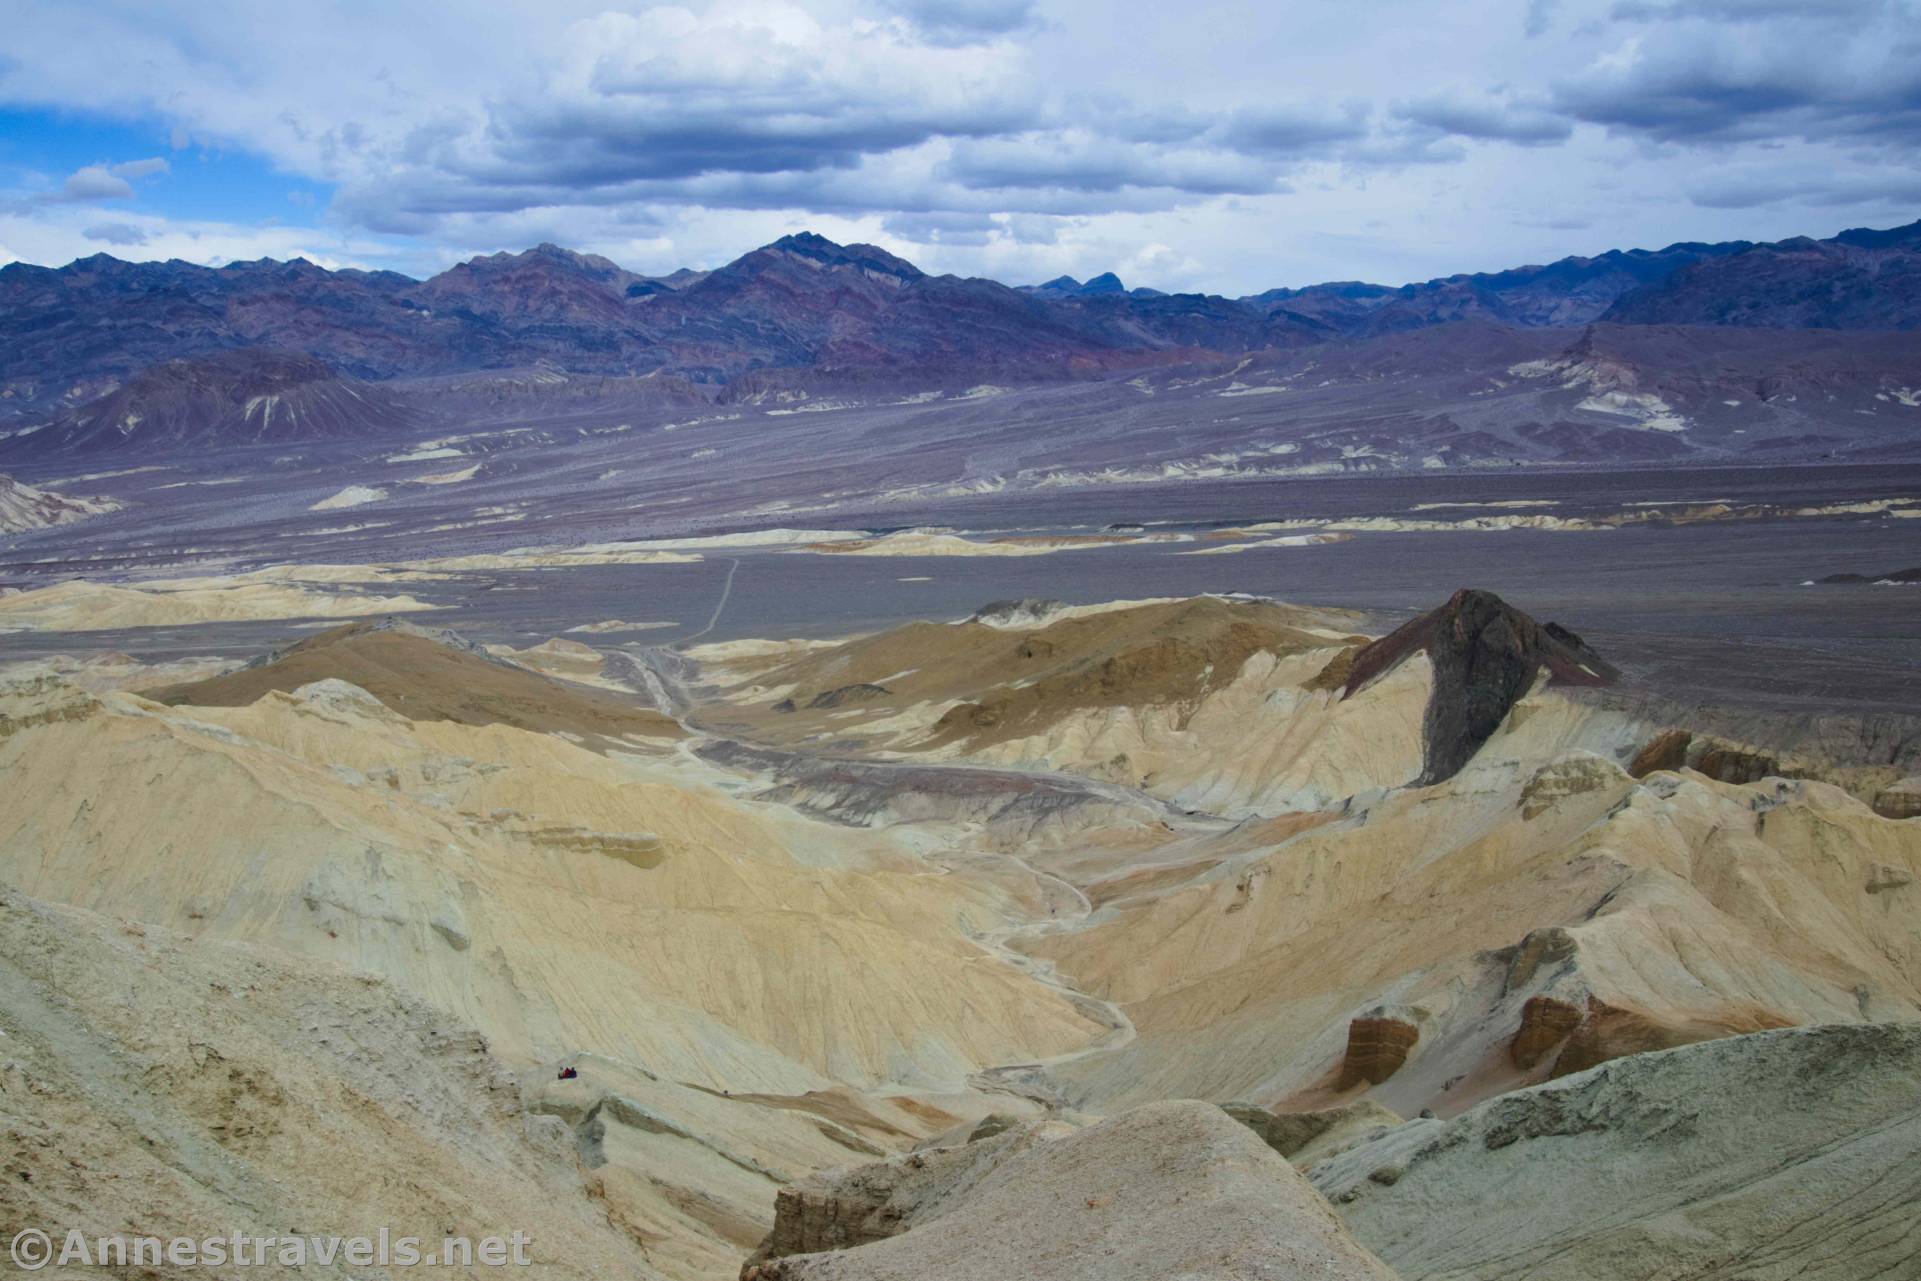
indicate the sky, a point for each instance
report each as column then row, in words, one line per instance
column 1205, row 145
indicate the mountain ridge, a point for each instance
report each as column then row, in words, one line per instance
column 811, row 307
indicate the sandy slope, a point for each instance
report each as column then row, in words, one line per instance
column 556, row 898
column 560, row 901
column 1540, row 898
column 83, row 606
column 418, row 673
column 248, row 1090
column 767, row 958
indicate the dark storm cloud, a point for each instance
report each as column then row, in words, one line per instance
column 1758, row 71
column 1091, row 164
column 668, row 97
column 714, row 109
column 589, row 149
column 1699, row 97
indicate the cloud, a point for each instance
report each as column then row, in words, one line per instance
column 1752, row 71
column 1274, row 144
column 94, row 182
column 671, row 104
column 1745, row 10
column 766, row 105
column 55, row 234
column 1475, row 116
column 965, row 21
column 1292, row 131
column 1787, row 184
column 667, row 93
column 1081, row 162
column 116, row 233
column 944, row 228
column 142, row 168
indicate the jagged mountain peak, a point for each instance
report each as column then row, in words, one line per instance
column 1485, row 655
column 545, row 256
column 818, row 249
column 1107, row 284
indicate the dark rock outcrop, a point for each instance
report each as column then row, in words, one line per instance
column 1486, row 656
column 861, row 693
column 1911, row 575
column 1545, row 1022
column 1731, row 763
column 1609, row 1031
column 1667, row 750
column 1377, row 1046
column 1720, row 759
column 1901, row 800
column 1294, row 1133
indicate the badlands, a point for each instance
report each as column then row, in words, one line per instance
column 1205, row 937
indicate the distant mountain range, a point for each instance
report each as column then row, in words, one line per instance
column 101, row 349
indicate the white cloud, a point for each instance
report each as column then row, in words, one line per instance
column 94, row 182
column 142, row 168
column 1262, row 144
column 116, row 233
column 59, row 234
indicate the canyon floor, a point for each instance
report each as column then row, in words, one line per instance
column 1191, row 886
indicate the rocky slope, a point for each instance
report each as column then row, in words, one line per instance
column 1451, row 762
column 1655, row 1165
column 432, row 677
column 1171, row 1189
column 24, row 507
column 1569, row 291
column 1485, row 655
column 160, row 1084
column 240, row 397
column 1860, row 279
